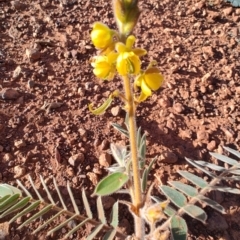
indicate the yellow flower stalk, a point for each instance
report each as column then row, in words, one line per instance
column 102, row 36
column 149, row 80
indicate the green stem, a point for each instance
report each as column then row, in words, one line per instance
column 137, row 198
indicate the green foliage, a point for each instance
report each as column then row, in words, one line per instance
column 183, row 198
column 12, row 201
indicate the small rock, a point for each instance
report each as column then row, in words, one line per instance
column 105, row 159
column 208, row 50
column 9, row 94
column 104, row 145
column 18, row 5
column 93, row 178
column 74, row 53
column 17, row 73
column 11, row 163
column 115, row 111
column 33, row 54
column 67, row 54
column 83, row 133
column 211, row 145
column 202, row 135
column 19, row 143
column 168, row 157
column 1, row 148
column 76, row 159
column 70, row 172
column 178, row 107
column 164, row 102
column 4, row 230
column 8, row 157
column 19, row 171
column 227, row 11
column 30, row 84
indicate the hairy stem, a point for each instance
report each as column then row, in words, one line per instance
column 137, row 198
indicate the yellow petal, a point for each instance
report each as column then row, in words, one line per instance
column 153, row 78
column 139, row 51
column 130, row 41
column 142, row 97
column 101, row 35
column 145, row 89
column 120, row 47
column 128, row 63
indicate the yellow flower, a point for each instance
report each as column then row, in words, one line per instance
column 104, row 66
column 128, row 61
column 102, row 36
column 150, row 80
column 155, row 212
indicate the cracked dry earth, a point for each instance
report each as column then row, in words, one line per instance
column 46, row 84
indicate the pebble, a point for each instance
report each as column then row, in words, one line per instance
column 227, row 11
column 9, row 94
column 164, row 102
column 211, row 145
column 17, row 72
column 93, row 178
column 18, row 5
column 76, row 159
column 19, row 171
column 104, row 145
column 4, row 230
column 202, row 135
column 33, row 54
column 115, row 111
column 8, row 157
column 168, row 157
column 105, row 159
column 178, row 107
column 30, row 84
column 19, row 143
column 206, row 77
column 83, row 134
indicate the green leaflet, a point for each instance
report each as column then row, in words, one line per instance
column 178, row 228
column 102, row 108
column 176, row 197
column 111, row 184
column 6, row 189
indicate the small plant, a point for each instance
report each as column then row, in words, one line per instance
column 117, row 57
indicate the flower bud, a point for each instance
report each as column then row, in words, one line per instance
column 101, row 35
column 126, row 13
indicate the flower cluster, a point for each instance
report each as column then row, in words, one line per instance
column 118, row 57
